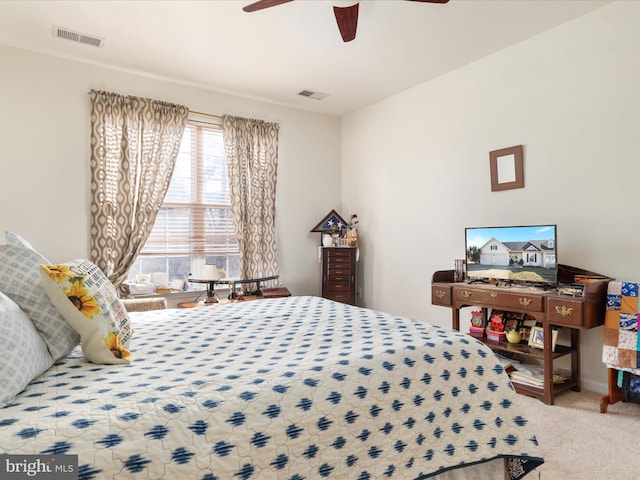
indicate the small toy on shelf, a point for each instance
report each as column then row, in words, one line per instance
column 496, row 323
column 477, row 319
column 477, row 324
column 495, row 330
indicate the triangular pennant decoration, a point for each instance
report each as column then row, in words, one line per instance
column 331, row 223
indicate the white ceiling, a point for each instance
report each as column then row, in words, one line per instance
column 274, row 53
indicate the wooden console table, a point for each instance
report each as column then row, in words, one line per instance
column 549, row 307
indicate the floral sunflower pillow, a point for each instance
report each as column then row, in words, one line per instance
column 86, row 298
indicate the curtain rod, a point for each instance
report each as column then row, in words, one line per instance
column 219, row 117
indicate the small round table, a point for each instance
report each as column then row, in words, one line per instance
column 232, row 282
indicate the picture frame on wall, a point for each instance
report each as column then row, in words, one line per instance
column 506, row 168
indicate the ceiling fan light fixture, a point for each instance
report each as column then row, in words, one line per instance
column 345, row 11
column 343, row 3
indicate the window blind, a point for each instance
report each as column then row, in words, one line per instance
column 195, row 218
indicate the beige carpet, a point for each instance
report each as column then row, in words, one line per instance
column 580, row 443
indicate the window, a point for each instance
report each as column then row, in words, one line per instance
column 194, row 225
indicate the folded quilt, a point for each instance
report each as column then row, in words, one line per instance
column 620, row 344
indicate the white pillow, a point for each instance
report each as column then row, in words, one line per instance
column 23, row 353
column 20, row 281
column 18, row 241
column 88, row 301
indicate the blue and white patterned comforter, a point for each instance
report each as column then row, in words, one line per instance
column 293, row 388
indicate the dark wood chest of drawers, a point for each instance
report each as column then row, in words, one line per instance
column 339, row 274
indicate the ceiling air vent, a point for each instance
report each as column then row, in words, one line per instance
column 312, row 94
column 77, row 37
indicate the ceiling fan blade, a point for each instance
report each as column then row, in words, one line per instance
column 347, row 19
column 262, row 4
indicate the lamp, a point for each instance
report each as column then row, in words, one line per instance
column 160, row 279
column 209, row 272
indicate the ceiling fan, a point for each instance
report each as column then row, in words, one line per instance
column 346, row 13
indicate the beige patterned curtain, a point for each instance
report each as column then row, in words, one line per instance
column 134, row 145
column 251, row 147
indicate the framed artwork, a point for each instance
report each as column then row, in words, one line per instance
column 511, row 320
column 331, row 223
column 507, row 168
column 525, row 325
column 536, row 338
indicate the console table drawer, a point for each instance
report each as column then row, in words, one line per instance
column 441, row 295
column 565, row 312
column 506, row 300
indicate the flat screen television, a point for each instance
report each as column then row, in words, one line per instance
column 518, row 254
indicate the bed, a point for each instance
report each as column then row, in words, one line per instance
column 288, row 388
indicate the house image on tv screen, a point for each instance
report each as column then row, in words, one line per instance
column 529, row 253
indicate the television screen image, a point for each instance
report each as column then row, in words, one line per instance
column 519, row 254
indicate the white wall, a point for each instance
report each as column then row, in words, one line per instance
column 44, row 157
column 416, row 166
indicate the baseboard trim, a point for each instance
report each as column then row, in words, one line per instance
column 594, row 386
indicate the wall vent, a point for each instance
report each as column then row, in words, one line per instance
column 311, row 94
column 78, row 37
